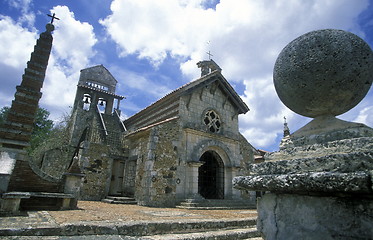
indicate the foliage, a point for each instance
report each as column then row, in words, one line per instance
column 3, row 114
column 42, row 125
column 42, row 128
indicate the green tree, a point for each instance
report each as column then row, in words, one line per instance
column 42, row 128
column 3, row 114
column 42, row 125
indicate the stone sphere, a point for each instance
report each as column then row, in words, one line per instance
column 324, row 72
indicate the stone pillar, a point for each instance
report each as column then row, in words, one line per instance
column 109, row 105
column 10, row 201
column 193, row 179
column 236, row 194
column 73, row 183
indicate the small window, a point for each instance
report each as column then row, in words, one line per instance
column 212, row 120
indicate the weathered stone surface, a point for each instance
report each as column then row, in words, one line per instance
column 285, row 216
column 329, row 128
column 316, row 182
column 340, row 162
column 302, row 148
column 324, row 72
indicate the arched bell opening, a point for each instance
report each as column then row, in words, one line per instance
column 101, row 105
column 211, row 176
column 87, row 100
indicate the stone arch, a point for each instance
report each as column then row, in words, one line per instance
column 224, row 153
column 102, row 104
column 87, row 100
column 212, row 145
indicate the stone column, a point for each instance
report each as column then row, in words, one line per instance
column 73, row 183
column 109, row 105
column 236, row 194
column 193, row 179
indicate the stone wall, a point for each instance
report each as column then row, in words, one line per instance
column 157, row 165
column 96, row 165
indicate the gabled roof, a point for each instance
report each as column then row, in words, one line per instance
column 190, row 87
column 100, row 75
column 224, row 85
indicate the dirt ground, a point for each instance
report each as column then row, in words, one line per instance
column 100, row 211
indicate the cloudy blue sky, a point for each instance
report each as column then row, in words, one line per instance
column 152, row 47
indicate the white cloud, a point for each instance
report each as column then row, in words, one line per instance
column 73, row 40
column 27, row 17
column 365, row 116
column 153, row 29
column 14, row 52
column 139, row 83
column 73, row 43
column 246, row 36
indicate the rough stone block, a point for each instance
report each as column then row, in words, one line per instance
column 284, row 216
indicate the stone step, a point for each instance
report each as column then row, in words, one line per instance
column 104, row 237
column 227, row 234
column 119, row 200
column 244, row 227
column 216, row 204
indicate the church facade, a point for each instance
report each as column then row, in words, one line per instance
column 187, row 145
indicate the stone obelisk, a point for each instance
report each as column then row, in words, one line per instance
column 15, row 133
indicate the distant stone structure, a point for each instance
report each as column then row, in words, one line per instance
column 186, row 147
column 22, row 184
column 319, row 185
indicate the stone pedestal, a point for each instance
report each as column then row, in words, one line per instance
column 293, row 216
column 73, row 182
column 320, row 191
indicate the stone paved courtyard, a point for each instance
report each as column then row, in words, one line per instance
column 99, row 213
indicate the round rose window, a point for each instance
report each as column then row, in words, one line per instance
column 212, row 121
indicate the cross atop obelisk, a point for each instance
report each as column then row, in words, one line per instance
column 53, row 17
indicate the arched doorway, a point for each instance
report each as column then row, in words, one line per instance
column 211, row 176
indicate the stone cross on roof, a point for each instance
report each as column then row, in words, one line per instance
column 210, row 54
column 53, row 17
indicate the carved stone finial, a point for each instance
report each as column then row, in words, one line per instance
column 324, row 72
column 286, row 128
column 49, row 27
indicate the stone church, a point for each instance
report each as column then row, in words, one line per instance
column 187, row 145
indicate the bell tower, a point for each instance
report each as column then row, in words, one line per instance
column 96, row 105
column 96, row 87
